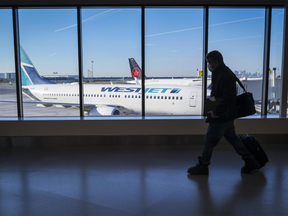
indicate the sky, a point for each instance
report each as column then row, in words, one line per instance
column 173, row 40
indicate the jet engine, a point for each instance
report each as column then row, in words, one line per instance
column 104, row 110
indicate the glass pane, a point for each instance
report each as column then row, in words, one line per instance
column 111, row 37
column 276, row 53
column 49, row 62
column 239, row 35
column 8, row 104
column 174, row 38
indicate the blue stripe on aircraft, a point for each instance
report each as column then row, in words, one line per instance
column 135, row 90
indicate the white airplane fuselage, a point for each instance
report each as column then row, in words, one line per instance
column 160, row 99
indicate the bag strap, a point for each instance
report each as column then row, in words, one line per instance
column 240, row 83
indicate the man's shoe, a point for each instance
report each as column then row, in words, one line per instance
column 247, row 170
column 251, row 166
column 199, row 169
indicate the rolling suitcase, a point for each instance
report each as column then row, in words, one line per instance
column 252, row 144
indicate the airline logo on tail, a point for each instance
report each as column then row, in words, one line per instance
column 135, row 69
column 29, row 74
column 136, row 72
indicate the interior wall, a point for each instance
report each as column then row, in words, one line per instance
column 140, row 126
column 122, row 141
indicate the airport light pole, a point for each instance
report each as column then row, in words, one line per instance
column 92, row 69
column 55, row 75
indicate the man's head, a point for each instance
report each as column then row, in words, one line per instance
column 214, row 59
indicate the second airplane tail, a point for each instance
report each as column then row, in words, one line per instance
column 135, row 69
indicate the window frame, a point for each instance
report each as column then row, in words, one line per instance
column 266, row 57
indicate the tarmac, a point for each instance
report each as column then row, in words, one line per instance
column 9, row 109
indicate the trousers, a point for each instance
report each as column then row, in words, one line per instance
column 214, row 134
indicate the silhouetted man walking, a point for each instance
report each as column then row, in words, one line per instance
column 221, row 118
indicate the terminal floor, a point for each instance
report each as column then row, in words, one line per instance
column 139, row 181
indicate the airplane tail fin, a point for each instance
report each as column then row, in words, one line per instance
column 29, row 74
column 135, row 69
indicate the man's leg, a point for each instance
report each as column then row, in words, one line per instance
column 213, row 136
column 233, row 139
column 251, row 165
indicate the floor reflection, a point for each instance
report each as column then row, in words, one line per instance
column 136, row 182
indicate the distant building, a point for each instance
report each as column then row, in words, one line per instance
column 8, row 76
column 62, row 79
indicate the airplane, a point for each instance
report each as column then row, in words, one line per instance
column 252, row 85
column 136, row 75
column 110, row 99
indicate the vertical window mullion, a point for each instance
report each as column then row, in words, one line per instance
column 284, row 75
column 266, row 60
column 205, row 51
column 80, row 60
column 143, row 58
column 17, row 61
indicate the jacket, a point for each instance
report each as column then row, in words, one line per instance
column 224, row 91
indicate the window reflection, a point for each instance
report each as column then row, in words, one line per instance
column 111, row 36
column 276, row 52
column 8, row 104
column 239, row 35
column 49, row 62
column 174, row 38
